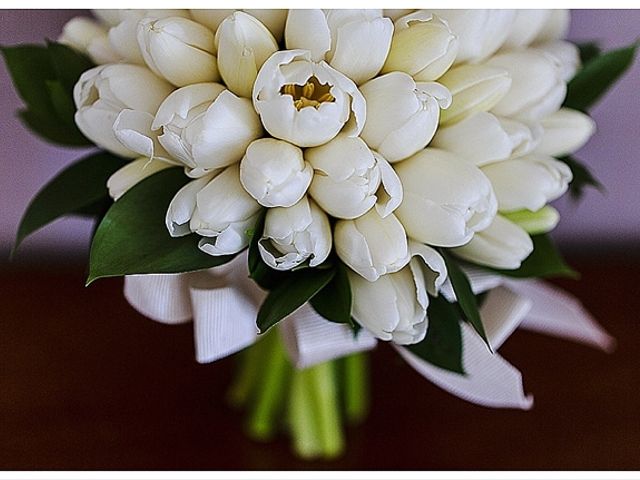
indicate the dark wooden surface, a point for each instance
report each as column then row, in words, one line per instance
column 87, row 383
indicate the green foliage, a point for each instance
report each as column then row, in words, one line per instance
column 544, row 261
column 589, row 51
column 44, row 77
column 79, row 189
column 133, row 239
column 597, row 76
column 333, row 302
column 442, row 346
column 466, row 298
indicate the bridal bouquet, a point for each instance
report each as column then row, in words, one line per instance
column 303, row 184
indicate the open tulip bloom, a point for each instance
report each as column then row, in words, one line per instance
column 304, row 184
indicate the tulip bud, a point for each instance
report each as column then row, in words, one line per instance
column 107, row 16
column 123, row 35
column 89, row 37
column 528, row 182
column 566, row 54
column 474, row 88
column 178, row 49
column 131, row 174
column 394, row 307
column 104, row 91
column 243, row 44
column 275, row 173
column 372, row 245
column 556, row 27
column 132, row 128
column 446, row 199
column 224, row 213
column 206, row 127
column 423, row 46
column 183, row 206
column 526, row 26
column 306, row 103
column 274, row 19
column 502, row 245
column 294, row 235
column 483, row 138
column 565, row 131
column 534, row 223
column 395, row 14
column 537, row 88
column 402, row 116
column 350, row 179
column 480, row 32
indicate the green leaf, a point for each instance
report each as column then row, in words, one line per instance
column 442, row 346
column 53, row 131
column 466, row 298
column 297, row 289
column 597, row 76
column 544, row 261
column 68, row 64
column 77, row 187
column 30, row 67
column 133, row 239
column 582, row 178
column 61, row 101
column 589, row 51
column 333, row 302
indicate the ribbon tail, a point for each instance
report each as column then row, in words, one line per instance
column 555, row 312
column 310, row 339
column 160, row 297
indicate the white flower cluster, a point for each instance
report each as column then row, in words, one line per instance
column 378, row 134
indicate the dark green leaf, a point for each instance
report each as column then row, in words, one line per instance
column 61, row 101
column 582, row 177
column 54, row 131
column 464, row 294
column 68, row 64
column 133, row 239
column 597, row 76
column 544, row 261
column 333, row 302
column 82, row 184
column 442, row 346
column 30, row 68
column 297, row 289
column 589, row 51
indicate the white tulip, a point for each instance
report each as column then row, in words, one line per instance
column 423, row 46
column 394, row 307
column 104, row 91
column 371, row 245
column 483, row 138
column 567, row 55
column 537, row 88
column 474, row 88
column 528, row 182
column 565, row 131
column 274, row 19
column 526, row 26
column 304, row 102
column 275, row 173
column 350, row 179
column 395, row 14
column 178, row 49
column 133, row 129
column 206, row 127
column 480, row 32
column 502, row 245
column 183, row 205
column 88, row 37
column 402, row 116
column 131, row 174
column 446, row 199
column 540, row 221
column 354, row 42
column 109, row 17
column 556, row 27
column 224, row 213
column 243, row 45
column 123, row 34
column 294, row 235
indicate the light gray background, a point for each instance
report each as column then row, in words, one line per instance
column 610, row 221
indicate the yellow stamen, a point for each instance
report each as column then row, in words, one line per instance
column 311, row 94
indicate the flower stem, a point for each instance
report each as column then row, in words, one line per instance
column 304, row 431
column 274, row 371
column 356, row 387
column 246, row 377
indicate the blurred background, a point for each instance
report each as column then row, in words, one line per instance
column 609, row 220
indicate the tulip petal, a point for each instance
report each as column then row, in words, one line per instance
column 308, row 30
column 435, row 273
column 389, row 195
column 131, row 174
column 565, row 131
column 183, row 205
